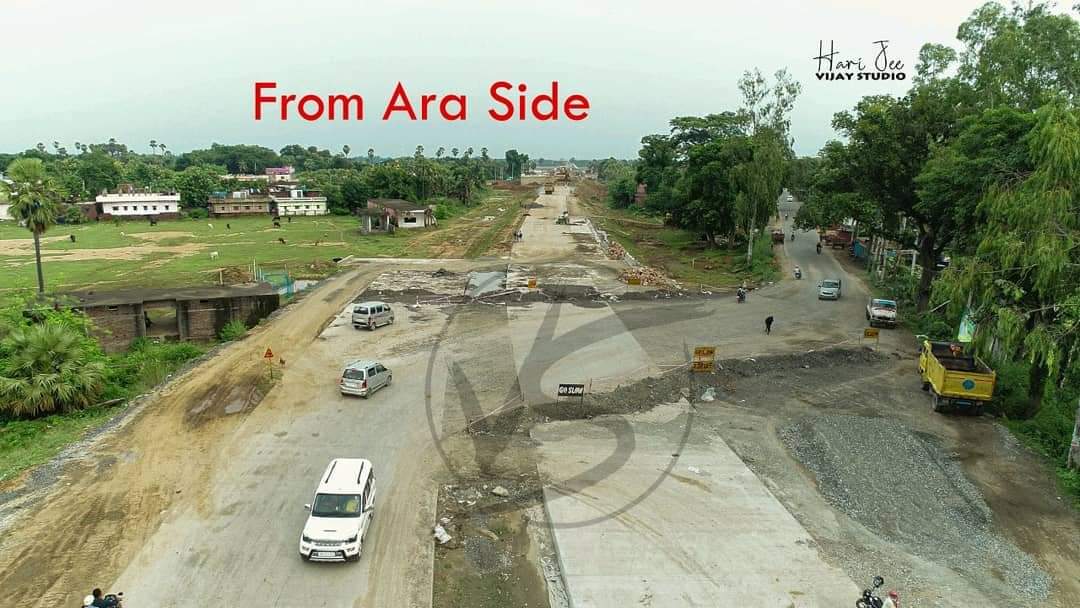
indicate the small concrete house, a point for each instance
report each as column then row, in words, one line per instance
column 382, row 213
column 130, row 203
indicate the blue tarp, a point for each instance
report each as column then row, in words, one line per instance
column 861, row 250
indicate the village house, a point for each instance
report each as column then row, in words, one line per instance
column 280, row 174
column 392, row 213
column 297, row 201
column 241, row 202
column 129, row 202
column 5, row 206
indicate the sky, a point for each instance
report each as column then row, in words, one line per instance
column 183, row 73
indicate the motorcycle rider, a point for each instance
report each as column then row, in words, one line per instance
column 798, row 272
column 818, row 247
column 741, row 294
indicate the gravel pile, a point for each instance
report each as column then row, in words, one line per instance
column 861, row 462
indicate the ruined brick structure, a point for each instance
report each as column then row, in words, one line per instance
column 197, row 314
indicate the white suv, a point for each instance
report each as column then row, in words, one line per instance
column 341, row 512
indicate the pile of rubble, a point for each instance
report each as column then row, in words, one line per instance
column 647, row 276
column 615, row 251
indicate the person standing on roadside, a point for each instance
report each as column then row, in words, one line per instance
column 768, row 324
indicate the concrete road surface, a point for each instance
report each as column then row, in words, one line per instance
column 710, row 534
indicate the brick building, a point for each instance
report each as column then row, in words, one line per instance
column 241, row 202
column 195, row 314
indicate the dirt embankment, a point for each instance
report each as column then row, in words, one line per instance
column 81, row 531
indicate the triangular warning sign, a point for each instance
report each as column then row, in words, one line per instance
column 269, row 354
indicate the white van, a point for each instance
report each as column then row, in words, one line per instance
column 341, row 512
column 372, row 314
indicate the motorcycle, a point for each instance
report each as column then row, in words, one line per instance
column 793, row 236
column 798, row 272
column 112, row 600
column 870, row 599
column 818, row 247
column 740, row 296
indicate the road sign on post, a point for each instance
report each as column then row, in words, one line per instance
column 269, row 354
column 871, row 333
column 571, row 390
column 704, row 359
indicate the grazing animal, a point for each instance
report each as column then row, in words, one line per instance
column 277, row 224
column 211, row 226
column 153, row 222
column 228, row 226
column 281, row 361
column 282, row 241
column 288, row 218
column 317, row 243
column 72, row 237
column 122, row 233
column 213, row 255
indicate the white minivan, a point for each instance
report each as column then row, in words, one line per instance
column 341, row 512
column 372, row 315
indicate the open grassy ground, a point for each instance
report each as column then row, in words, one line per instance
column 679, row 253
column 173, row 253
column 27, row 443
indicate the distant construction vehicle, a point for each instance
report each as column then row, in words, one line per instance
column 549, row 188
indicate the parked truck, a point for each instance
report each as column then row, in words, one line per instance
column 549, row 188
column 956, row 381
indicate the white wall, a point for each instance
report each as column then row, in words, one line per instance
column 4, row 215
column 301, row 206
column 143, row 208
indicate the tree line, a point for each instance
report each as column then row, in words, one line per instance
column 719, row 175
column 980, row 161
column 347, row 181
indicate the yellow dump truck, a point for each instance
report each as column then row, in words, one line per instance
column 955, row 380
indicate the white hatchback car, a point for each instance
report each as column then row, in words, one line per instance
column 341, row 512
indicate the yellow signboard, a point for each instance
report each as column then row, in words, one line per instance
column 870, row 332
column 704, row 359
column 633, row 280
column 532, row 283
column 702, row 366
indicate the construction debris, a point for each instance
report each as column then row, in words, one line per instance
column 615, row 251
column 441, row 535
column 644, row 275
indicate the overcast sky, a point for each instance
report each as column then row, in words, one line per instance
column 183, row 72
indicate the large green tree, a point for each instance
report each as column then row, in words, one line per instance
column 1024, row 278
column 34, row 201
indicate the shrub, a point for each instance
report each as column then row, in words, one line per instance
column 48, row 369
column 198, row 214
column 74, row 215
column 233, row 330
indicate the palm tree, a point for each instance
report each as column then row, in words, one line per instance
column 153, row 146
column 40, row 147
column 419, row 152
column 468, row 152
column 454, row 151
column 48, row 371
column 161, row 147
column 34, row 200
column 345, row 150
column 371, row 156
column 440, row 152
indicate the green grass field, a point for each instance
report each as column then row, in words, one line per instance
column 178, row 252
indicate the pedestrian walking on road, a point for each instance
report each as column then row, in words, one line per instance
column 768, row 324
